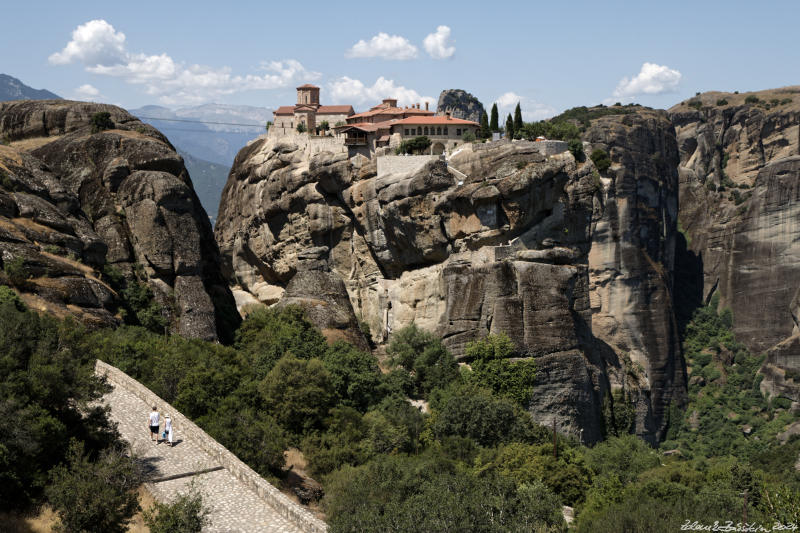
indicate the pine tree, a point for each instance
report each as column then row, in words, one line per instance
column 517, row 118
column 494, row 123
column 509, row 127
column 485, row 131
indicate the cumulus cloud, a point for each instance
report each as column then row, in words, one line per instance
column 385, row 46
column 93, row 43
column 86, row 92
column 652, row 79
column 102, row 50
column 531, row 109
column 351, row 91
column 439, row 44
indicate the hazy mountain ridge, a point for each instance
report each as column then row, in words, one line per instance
column 200, row 135
column 13, row 89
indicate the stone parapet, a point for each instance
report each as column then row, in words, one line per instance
column 188, row 430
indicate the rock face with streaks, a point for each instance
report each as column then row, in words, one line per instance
column 83, row 195
column 460, row 104
column 544, row 249
column 739, row 174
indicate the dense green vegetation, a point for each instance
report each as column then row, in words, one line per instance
column 417, row 145
column 471, row 459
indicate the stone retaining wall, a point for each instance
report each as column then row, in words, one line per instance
column 403, row 164
column 186, row 429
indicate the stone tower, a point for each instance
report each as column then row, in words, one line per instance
column 308, row 95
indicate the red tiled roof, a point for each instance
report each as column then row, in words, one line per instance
column 308, row 86
column 335, row 109
column 392, row 111
column 284, row 110
column 370, row 127
column 439, row 121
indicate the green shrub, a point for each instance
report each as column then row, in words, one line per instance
column 468, row 137
column 101, row 121
column 95, row 496
column 781, row 403
column 601, row 159
column 301, row 127
column 143, row 308
column 417, row 145
column 266, row 335
column 492, row 369
column 695, row 104
column 298, row 392
column 17, row 272
column 722, row 102
column 424, row 357
column 752, row 99
column 576, row 149
column 395, row 493
column 6, row 182
column 10, row 296
column 184, row 514
column 786, row 101
column 472, row 412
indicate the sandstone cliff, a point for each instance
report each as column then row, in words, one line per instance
column 460, row 104
column 499, row 238
column 78, row 199
column 739, row 191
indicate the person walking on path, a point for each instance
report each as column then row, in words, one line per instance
column 154, row 422
column 168, row 429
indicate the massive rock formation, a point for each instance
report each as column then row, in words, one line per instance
column 460, row 104
column 81, row 194
column 499, row 238
column 739, row 176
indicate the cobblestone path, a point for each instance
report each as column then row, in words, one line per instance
column 234, row 507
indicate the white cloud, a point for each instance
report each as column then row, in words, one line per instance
column 93, row 43
column 101, row 49
column 385, row 46
column 438, row 44
column 350, row 91
column 531, row 109
column 652, row 79
column 86, row 92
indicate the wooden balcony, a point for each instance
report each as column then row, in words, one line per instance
column 355, row 141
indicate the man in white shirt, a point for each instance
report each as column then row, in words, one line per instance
column 154, row 421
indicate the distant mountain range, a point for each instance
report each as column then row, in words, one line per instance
column 214, row 132
column 208, row 179
column 13, row 89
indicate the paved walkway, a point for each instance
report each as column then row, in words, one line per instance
column 234, row 507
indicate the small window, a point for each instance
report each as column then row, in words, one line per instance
column 426, row 130
column 445, row 130
column 458, row 132
column 419, row 130
column 407, row 132
column 439, row 130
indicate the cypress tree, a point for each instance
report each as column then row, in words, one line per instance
column 509, row 127
column 518, row 118
column 494, row 123
column 485, row 131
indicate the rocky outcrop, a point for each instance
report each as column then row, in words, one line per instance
column 499, row 238
column 632, row 259
column 739, row 174
column 114, row 196
column 460, row 104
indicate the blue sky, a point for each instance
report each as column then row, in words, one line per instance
column 550, row 55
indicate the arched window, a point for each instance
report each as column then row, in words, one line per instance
column 439, row 130
column 426, row 130
column 445, row 130
column 419, row 130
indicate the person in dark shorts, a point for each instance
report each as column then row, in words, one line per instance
column 153, row 421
